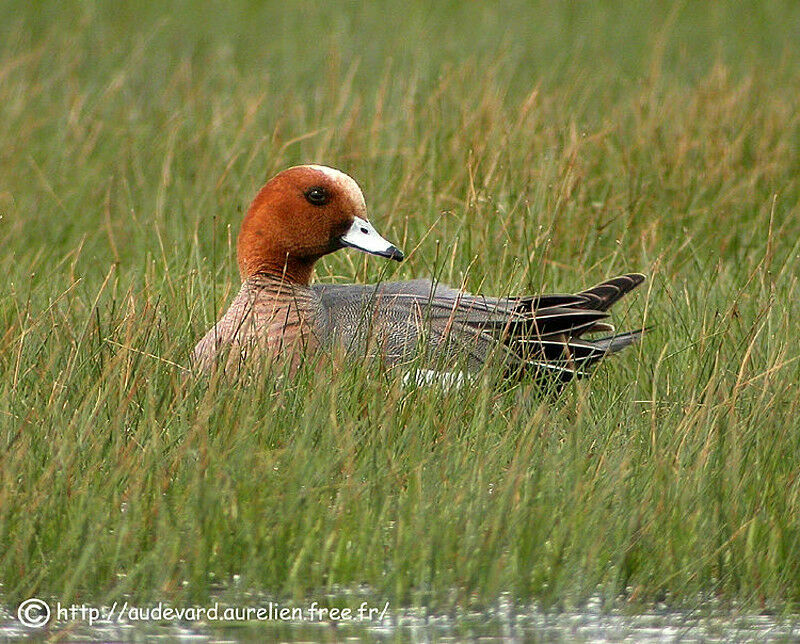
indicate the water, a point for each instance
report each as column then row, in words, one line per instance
column 502, row 623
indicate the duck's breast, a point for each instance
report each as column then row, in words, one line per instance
column 262, row 321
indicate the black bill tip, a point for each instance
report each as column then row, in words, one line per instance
column 393, row 252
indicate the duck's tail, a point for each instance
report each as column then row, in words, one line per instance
column 547, row 339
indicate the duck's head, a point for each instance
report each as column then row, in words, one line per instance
column 300, row 215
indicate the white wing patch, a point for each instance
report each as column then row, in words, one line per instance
column 447, row 380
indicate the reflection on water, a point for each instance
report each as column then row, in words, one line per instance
column 502, row 623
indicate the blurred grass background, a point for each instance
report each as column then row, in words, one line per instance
column 508, row 147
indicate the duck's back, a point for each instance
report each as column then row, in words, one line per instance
column 539, row 334
column 401, row 320
column 390, row 319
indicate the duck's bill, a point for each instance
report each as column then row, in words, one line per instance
column 363, row 236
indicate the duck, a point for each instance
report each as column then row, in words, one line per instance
column 279, row 316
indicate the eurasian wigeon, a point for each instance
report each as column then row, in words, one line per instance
column 308, row 211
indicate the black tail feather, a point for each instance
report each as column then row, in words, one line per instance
column 547, row 338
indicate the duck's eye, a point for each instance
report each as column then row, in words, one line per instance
column 317, row 196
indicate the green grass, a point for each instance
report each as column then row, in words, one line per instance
column 510, row 148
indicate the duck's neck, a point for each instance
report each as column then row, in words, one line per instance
column 278, row 281
column 292, row 270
